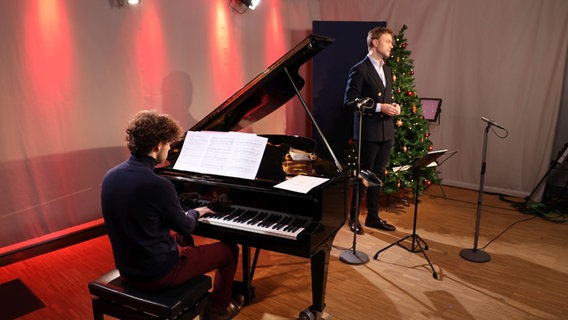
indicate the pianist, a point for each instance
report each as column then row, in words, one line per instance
column 149, row 231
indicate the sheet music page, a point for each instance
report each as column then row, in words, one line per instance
column 232, row 154
column 300, row 183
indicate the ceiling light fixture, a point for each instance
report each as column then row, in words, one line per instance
column 251, row 4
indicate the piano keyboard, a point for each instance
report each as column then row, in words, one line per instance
column 264, row 222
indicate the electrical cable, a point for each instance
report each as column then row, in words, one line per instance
column 502, row 232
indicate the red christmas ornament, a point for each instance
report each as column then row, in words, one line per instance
column 427, row 183
column 411, row 72
column 409, row 93
column 403, row 45
column 398, row 90
column 430, row 148
column 386, row 172
column 427, row 134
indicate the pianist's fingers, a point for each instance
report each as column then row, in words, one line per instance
column 203, row 210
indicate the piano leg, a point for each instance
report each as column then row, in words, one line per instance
column 245, row 288
column 319, row 267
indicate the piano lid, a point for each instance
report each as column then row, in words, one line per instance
column 267, row 92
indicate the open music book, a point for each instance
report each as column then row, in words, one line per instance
column 231, row 154
column 427, row 161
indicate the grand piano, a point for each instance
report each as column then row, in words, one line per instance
column 260, row 216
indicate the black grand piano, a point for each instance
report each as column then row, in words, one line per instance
column 260, row 216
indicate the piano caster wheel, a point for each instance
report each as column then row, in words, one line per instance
column 307, row 315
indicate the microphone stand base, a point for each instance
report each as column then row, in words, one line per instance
column 475, row 255
column 354, row 257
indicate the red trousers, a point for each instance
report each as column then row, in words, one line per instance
column 197, row 260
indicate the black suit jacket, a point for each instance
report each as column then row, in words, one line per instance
column 364, row 81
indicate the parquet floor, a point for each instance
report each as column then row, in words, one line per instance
column 526, row 278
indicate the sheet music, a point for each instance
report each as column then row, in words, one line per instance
column 300, row 183
column 434, row 153
column 232, row 154
column 406, row 167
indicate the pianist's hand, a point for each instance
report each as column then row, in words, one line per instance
column 203, row 210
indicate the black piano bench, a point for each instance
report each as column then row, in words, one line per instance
column 112, row 296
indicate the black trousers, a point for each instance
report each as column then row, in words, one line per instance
column 374, row 157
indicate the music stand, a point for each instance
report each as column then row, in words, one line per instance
column 428, row 160
column 431, row 109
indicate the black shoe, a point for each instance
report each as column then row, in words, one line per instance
column 379, row 224
column 355, row 227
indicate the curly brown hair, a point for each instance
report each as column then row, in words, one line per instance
column 148, row 128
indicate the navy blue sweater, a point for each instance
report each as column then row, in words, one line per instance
column 139, row 209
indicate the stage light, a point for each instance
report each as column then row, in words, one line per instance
column 123, row 3
column 251, row 4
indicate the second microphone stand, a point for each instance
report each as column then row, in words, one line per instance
column 474, row 254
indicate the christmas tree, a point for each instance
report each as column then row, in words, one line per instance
column 411, row 129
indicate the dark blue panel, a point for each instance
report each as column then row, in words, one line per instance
column 330, row 78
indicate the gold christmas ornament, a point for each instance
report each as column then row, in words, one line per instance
column 399, row 123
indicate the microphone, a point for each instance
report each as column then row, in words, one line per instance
column 493, row 123
column 364, row 103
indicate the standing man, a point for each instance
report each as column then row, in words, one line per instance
column 372, row 78
column 141, row 208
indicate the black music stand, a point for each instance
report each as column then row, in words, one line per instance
column 428, row 160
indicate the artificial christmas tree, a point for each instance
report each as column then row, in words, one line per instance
column 411, row 129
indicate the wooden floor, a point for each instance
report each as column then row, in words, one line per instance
column 526, row 278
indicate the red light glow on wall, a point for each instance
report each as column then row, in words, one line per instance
column 150, row 54
column 48, row 48
column 275, row 42
column 227, row 67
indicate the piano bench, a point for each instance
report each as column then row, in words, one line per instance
column 110, row 295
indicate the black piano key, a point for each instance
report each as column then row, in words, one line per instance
column 245, row 217
column 283, row 223
column 270, row 220
column 258, row 218
column 232, row 215
column 294, row 225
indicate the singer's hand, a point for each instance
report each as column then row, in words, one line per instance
column 397, row 108
column 390, row 109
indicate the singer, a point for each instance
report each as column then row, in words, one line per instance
column 372, row 78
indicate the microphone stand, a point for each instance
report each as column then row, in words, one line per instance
column 474, row 254
column 353, row 256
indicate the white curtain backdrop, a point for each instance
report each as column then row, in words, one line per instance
column 74, row 72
